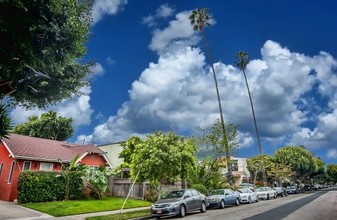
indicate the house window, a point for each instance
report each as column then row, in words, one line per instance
column 26, row 165
column 234, row 166
column 46, row 166
column 1, row 165
column 11, row 173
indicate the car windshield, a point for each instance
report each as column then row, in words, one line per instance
column 260, row 189
column 291, row 187
column 217, row 192
column 173, row 194
column 243, row 190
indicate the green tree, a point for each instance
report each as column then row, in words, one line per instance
column 256, row 165
column 319, row 175
column 199, row 20
column 5, row 122
column 242, row 60
column 332, row 172
column 212, row 143
column 42, row 42
column 162, row 158
column 280, row 173
column 49, row 126
column 298, row 158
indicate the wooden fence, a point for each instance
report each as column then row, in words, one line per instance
column 121, row 188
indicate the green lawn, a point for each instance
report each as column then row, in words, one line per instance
column 122, row 216
column 85, row 206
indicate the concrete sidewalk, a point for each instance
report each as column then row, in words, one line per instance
column 12, row 211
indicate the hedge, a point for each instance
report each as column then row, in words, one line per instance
column 43, row 186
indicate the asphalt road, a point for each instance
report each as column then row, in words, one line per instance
column 315, row 205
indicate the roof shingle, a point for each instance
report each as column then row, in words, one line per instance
column 25, row 147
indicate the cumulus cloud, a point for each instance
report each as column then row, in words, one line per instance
column 332, row 154
column 179, row 32
column 164, row 11
column 106, row 7
column 110, row 61
column 177, row 93
column 77, row 108
column 96, row 70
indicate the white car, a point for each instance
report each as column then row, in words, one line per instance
column 266, row 192
column 247, row 195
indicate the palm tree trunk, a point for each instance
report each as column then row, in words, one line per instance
column 225, row 139
column 256, row 130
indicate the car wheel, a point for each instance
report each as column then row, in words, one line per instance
column 222, row 204
column 249, row 200
column 203, row 207
column 257, row 199
column 182, row 211
column 237, row 203
column 275, row 196
column 268, row 197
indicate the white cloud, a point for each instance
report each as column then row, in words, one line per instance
column 179, row 31
column 110, row 61
column 164, row 11
column 106, row 7
column 332, row 154
column 177, row 93
column 96, row 70
column 77, row 108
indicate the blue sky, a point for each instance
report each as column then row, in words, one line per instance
column 152, row 73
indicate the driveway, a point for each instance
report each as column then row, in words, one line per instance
column 11, row 210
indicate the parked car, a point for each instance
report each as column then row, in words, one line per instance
column 179, row 202
column 266, row 192
column 249, row 185
column 280, row 191
column 292, row 189
column 247, row 195
column 219, row 198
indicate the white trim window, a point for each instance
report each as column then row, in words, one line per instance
column 46, row 166
column 10, row 176
column 26, row 165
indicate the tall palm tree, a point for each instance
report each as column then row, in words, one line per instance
column 199, row 20
column 242, row 59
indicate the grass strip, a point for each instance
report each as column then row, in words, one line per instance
column 122, row 216
column 75, row 207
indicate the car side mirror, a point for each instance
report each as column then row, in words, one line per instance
column 188, row 196
column 226, row 194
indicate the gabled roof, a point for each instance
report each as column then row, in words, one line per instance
column 32, row 148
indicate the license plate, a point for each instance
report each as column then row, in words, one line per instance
column 159, row 211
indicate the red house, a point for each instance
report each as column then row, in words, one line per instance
column 19, row 153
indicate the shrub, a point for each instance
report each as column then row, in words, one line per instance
column 39, row 186
column 201, row 188
column 43, row 186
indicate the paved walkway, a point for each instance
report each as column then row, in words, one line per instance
column 11, row 211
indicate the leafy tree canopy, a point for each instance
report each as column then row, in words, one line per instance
column 5, row 122
column 41, row 44
column 301, row 160
column 161, row 157
column 49, row 126
column 332, row 172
